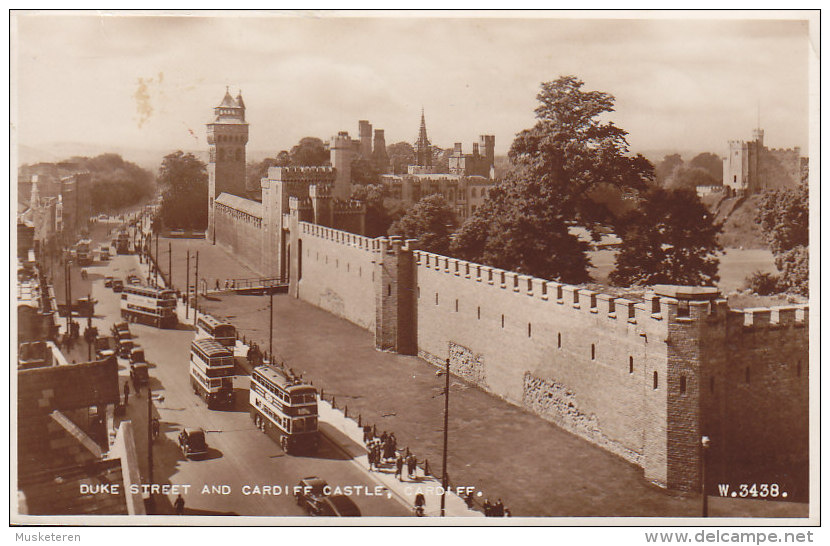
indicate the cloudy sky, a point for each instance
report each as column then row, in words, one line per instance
column 151, row 82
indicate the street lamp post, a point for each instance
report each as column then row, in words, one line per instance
column 444, row 479
column 704, row 448
column 150, row 443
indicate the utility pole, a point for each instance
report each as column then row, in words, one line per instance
column 156, row 262
column 150, row 440
column 271, row 327
column 187, row 288
column 444, row 480
column 196, row 292
column 68, row 286
column 704, row 448
column 170, row 264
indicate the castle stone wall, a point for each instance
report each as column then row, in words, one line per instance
column 337, row 273
column 563, row 353
column 241, row 234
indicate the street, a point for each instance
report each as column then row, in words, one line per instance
column 239, row 454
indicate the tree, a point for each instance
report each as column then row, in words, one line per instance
column 431, row 221
column 570, row 168
column 184, row 183
column 711, row 163
column 571, row 151
column 401, row 155
column 671, row 238
column 257, row 171
column 689, row 177
column 364, row 172
column 378, row 215
column 517, row 229
column 309, row 152
column 666, row 168
column 784, row 217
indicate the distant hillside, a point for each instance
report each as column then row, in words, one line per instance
column 739, row 229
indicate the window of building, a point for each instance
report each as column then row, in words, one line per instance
column 389, row 290
column 682, row 384
column 528, row 329
column 456, row 306
column 479, row 313
column 436, row 298
column 593, row 352
column 502, row 321
column 654, row 381
column 630, row 364
column 559, row 341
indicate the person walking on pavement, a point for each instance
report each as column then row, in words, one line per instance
column 411, row 465
column 126, row 393
column 498, row 509
column 399, row 468
column 179, row 505
column 156, row 428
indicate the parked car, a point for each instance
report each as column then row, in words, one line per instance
column 121, row 330
column 133, row 279
column 192, row 442
column 108, row 282
column 312, row 497
column 117, row 285
column 139, row 374
column 105, row 346
column 136, row 355
column 125, row 347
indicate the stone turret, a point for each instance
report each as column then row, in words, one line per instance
column 342, row 154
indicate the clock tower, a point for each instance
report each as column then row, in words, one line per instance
column 227, row 137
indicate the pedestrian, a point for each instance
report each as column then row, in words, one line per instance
column 420, row 502
column 226, row 284
column 399, row 468
column 372, row 461
column 367, row 434
column 488, row 509
column 217, row 284
column 498, row 509
column 126, row 393
column 179, row 505
column 383, row 437
column 156, row 428
column 411, row 465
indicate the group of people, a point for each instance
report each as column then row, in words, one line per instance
column 384, row 450
column 254, row 356
column 496, row 510
column 229, row 284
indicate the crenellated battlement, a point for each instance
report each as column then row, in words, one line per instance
column 349, row 207
column 299, row 203
column 763, row 318
column 338, row 236
column 655, row 307
column 319, row 191
column 302, row 174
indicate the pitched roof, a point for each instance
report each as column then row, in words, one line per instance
column 253, row 208
column 227, row 101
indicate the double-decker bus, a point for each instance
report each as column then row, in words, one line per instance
column 148, row 305
column 122, row 243
column 224, row 333
column 284, row 408
column 211, row 372
column 83, row 252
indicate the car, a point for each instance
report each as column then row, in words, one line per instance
column 117, row 285
column 121, row 330
column 136, row 355
column 311, row 496
column 108, row 282
column 139, row 374
column 192, row 442
column 133, row 279
column 125, row 347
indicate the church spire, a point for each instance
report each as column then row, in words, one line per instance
column 423, row 150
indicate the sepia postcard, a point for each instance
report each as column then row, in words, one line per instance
column 477, row 268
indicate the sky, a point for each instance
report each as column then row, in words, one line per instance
column 152, row 81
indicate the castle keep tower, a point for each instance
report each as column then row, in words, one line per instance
column 227, row 137
column 342, row 154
